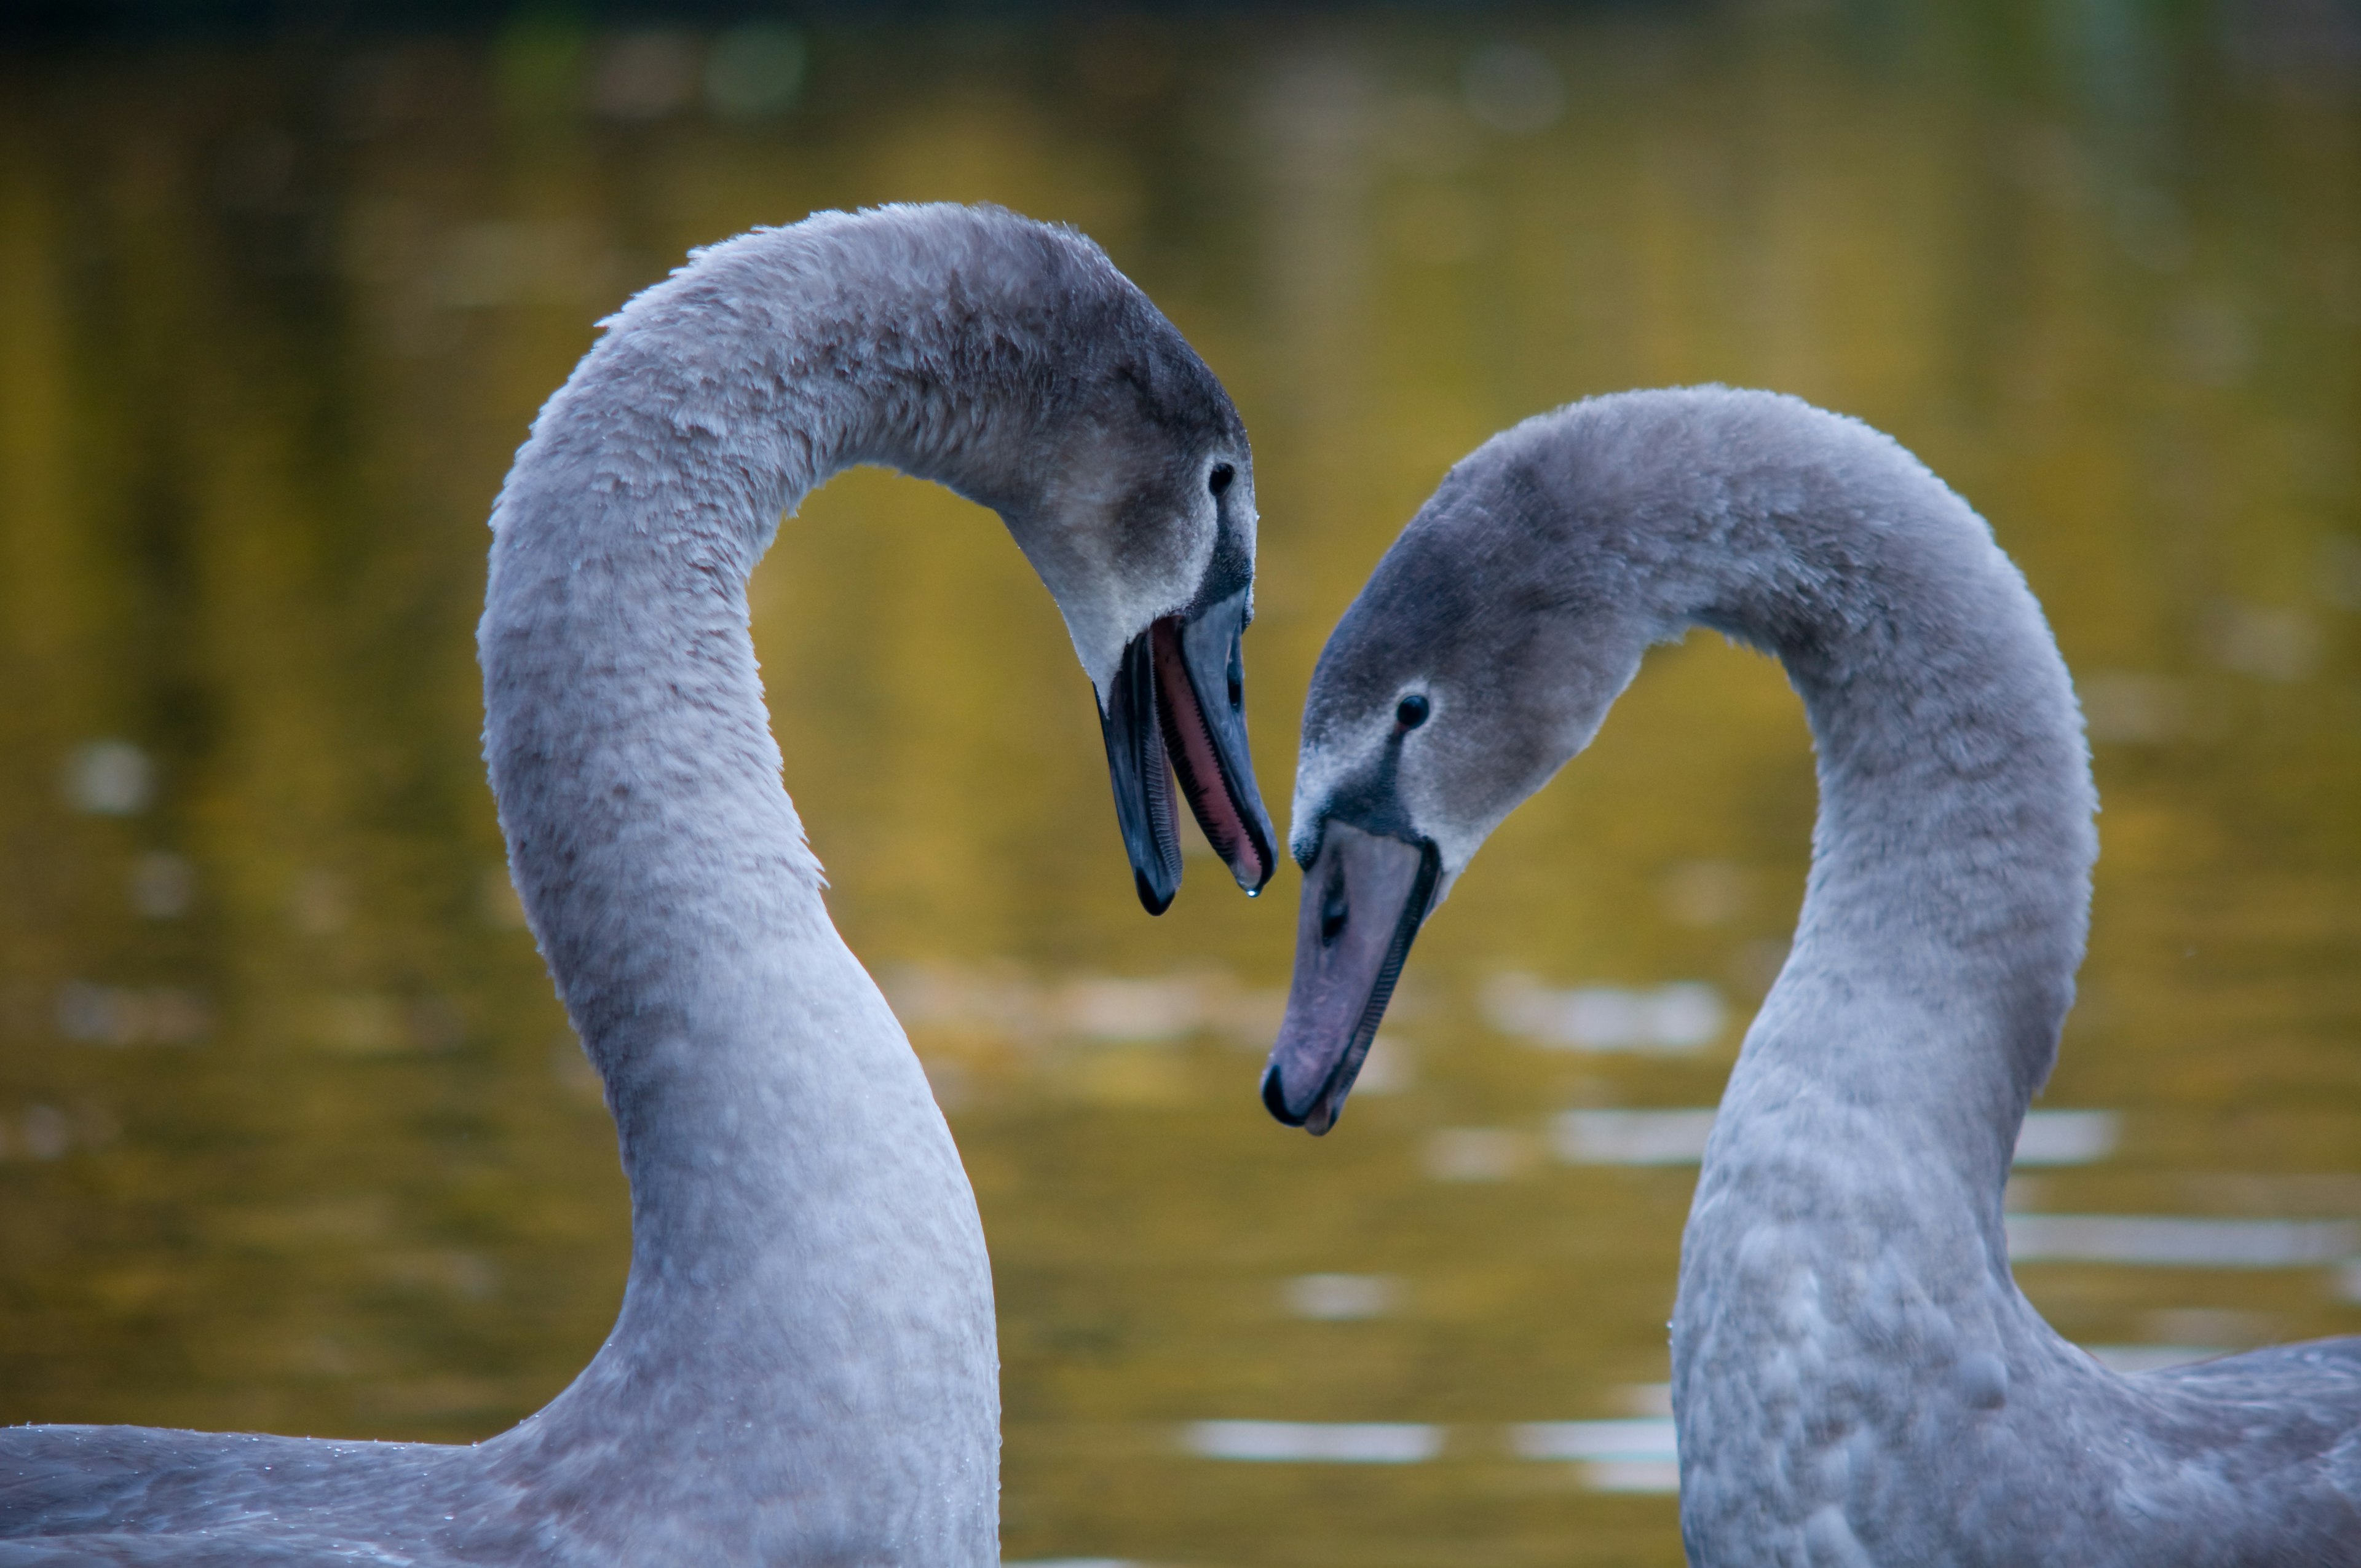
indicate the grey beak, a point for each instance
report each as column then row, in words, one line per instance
column 1177, row 705
column 1363, row 899
column 1141, row 775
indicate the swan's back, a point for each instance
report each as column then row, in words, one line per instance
column 2270, row 1411
column 152, row 1494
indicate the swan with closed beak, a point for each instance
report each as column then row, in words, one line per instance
column 1857, row 1379
column 803, row 1369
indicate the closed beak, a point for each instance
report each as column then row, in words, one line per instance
column 1363, row 899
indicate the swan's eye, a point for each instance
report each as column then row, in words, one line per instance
column 1333, row 910
column 1219, row 479
column 1411, row 711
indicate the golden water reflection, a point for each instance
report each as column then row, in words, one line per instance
column 292, row 1136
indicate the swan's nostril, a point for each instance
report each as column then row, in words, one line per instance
column 1334, row 911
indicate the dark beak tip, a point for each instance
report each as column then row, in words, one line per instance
column 1274, row 1099
column 1155, row 902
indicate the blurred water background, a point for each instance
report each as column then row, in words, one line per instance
column 293, row 1135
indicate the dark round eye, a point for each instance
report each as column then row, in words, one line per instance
column 1412, row 711
column 1219, row 479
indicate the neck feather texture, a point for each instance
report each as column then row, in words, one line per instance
column 1933, row 962
column 809, row 1314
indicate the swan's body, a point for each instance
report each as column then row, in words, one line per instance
column 1856, row 1377
column 804, row 1370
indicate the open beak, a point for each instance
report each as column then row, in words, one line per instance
column 1177, row 705
column 1363, row 899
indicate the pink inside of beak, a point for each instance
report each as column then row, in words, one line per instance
column 1200, row 769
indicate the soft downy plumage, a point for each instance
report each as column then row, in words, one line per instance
column 803, row 1369
column 1856, row 1377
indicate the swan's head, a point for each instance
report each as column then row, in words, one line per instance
column 1149, row 552
column 1128, row 483
column 1466, row 675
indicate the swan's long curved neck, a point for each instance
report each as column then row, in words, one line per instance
column 754, row 1071
column 1947, row 905
column 1934, row 958
column 625, row 727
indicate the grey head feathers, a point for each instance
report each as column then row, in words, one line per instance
column 1461, row 613
column 1005, row 358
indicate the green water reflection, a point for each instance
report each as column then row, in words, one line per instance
column 292, row 1134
